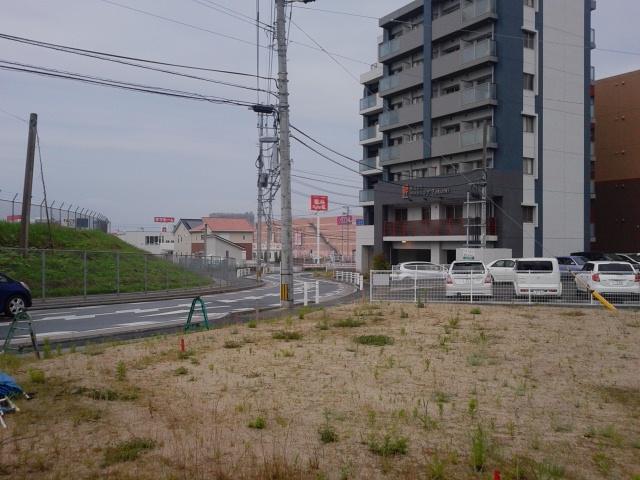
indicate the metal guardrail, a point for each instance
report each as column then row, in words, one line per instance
column 530, row 288
column 353, row 278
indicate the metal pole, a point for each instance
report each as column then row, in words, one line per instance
column 84, row 274
column 318, row 238
column 286, row 270
column 145, row 273
column 483, row 210
column 13, row 205
column 317, row 292
column 118, row 273
column 43, row 267
column 306, row 293
column 28, row 183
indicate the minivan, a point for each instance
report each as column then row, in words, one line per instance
column 538, row 277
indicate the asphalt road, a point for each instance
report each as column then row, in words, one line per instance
column 106, row 320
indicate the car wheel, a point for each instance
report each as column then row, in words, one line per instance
column 14, row 306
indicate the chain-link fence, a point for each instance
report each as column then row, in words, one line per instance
column 62, row 273
column 530, row 287
column 63, row 214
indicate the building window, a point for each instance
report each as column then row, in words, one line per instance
column 426, row 213
column 401, row 214
column 529, row 82
column 528, row 124
column 529, row 39
column 453, row 212
column 530, row 3
column 528, row 214
column 527, row 166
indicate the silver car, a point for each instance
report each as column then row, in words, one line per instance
column 418, row 271
column 502, row 270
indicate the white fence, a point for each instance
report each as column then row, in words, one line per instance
column 354, row 278
column 478, row 287
column 310, row 288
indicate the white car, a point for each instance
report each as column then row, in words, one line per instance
column 469, row 278
column 608, row 277
column 537, row 277
column 418, row 271
column 502, row 270
column 633, row 259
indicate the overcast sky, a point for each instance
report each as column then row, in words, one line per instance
column 134, row 156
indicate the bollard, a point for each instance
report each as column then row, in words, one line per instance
column 306, row 293
column 317, row 292
column 182, row 345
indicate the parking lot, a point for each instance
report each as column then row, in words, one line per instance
column 385, row 286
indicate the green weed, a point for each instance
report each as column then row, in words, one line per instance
column 390, row 445
column 374, row 340
column 231, row 344
column 121, row 371
column 36, row 375
column 259, row 423
column 479, row 449
column 287, row 335
column 127, row 451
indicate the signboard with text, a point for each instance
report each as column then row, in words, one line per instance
column 14, row 218
column 319, row 203
column 345, row 220
column 164, row 219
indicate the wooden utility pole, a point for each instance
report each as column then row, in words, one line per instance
column 28, row 184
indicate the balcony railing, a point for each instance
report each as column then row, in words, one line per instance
column 478, row 8
column 370, row 163
column 593, row 38
column 476, row 136
column 369, row 133
column 436, row 228
column 479, row 93
column 410, row 39
column 476, row 50
column 366, row 196
column 370, row 101
column 387, row 83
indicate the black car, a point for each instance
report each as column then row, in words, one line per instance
column 15, row 297
column 591, row 256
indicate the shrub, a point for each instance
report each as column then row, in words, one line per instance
column 375, row 340
column 389, row 446
column 258, row 423
column 36, row 376
column 479, row 449
column 436, row 469
column 287, row 335
column 252, row 324
column 348, row 323
column 232, row 344
column 46, row 348
column 328, row 434
column 380, row 263
column 121, row 371
column 475, row 311
column 127, row 451
column 180, row 371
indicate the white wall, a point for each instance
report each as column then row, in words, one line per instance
column 220, row 248
column 563, row 127
column 137, row 238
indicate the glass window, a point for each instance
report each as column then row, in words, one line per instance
column 534, row 266
column 529, row 3
column 529, row 39
column 527, row 166
column 509, row 263
column 528, row 214
column 529, row 82
column 499, row 264
column 615, row 268
column 467, row 267
column 528, row 124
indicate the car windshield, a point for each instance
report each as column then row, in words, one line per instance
column 467, row 267
column 635, row 257
column 534, row 266
column 615, row 268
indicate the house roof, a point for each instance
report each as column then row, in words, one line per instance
column 223, row 225
column 228, row 242
column 189, row 223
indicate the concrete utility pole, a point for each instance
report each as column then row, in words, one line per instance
column 286, row 266
column 318, row 237
column 483, row 206
column 28, row 183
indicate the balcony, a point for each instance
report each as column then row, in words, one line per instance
column 468, row 98
column 369, row 135
column 370, row 104
column 593, row 39
column 450, row 227
column 465, row 17
column 471, row 55
column 405, row 152
column 410, row 40
column 407, row 115
column 370, row 165
column 409, row 78
column 366, row 197
column 460, row 142
column 372, row 75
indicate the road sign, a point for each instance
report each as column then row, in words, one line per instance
column 319, row 203
column 345, row 220
column 14, row 218
column 164, row 219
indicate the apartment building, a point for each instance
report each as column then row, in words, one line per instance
column 475, row 94
column 617, row 164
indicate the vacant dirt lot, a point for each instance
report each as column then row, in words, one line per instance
column 440, row 392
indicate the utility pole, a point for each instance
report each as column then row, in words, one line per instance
column 286, row 268
column 28, row 183
column 318, row 238
column 483, row 205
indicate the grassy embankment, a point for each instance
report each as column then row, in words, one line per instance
column 354, row 392
column 64, row 268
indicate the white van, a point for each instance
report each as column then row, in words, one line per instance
column 538, row 277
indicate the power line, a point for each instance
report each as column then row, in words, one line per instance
column 319, row 174
column 233, row 13
column 80, row 51
column 324, row 181
column 14, row 116
column 325, row 190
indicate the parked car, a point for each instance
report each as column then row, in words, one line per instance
column 15, row 297
column 419, row 271
column 466, row 278
column 608, row 277
column 502, row 270
column 572, row 263
column 538, row 277
column 631, row 258
column 591, row 256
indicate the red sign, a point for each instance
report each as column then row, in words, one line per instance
column 14, row 218
column 345, row 220
column 319, row 203
column 164, row 219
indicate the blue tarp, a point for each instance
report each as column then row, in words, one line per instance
column 8, row 386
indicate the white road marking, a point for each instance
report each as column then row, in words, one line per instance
column 173, row 312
